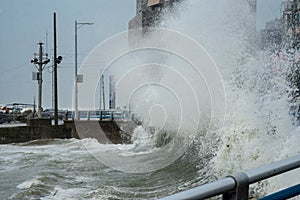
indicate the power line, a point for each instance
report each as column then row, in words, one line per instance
column 14, row 68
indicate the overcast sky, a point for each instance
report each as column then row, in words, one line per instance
column 26, row 22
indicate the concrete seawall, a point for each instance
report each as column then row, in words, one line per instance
column 28, row 133
column 104, row 131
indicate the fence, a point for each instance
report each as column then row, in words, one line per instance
column 237, row 187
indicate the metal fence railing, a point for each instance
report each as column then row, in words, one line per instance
column 236, row 187
column 104, row 115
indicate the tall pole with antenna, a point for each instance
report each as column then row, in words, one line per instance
column 41, row 60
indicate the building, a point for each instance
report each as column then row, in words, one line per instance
column 284, row 32
column 149, row 12
column 291, row 20
column 253, row 5
column 272, row 36
column 291, row 23
column 148, row 15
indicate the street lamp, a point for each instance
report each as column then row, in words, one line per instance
column 77, row 26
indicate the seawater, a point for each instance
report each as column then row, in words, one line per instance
column 63, row 169
column 256, row 128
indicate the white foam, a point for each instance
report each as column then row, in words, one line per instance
column 28, row 184
column 67, row 194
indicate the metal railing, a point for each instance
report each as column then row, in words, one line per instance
column 103, row 115
column 236, row 187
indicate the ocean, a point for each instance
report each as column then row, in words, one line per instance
column 64, row 169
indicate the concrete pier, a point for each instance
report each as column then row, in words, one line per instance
column 35, row 129
column 104, row 131
column 27, row 133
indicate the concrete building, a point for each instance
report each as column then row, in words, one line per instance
column 273, row 34
column 149, row 12
column 291, row 22
column 284, row 32
column 148, row 15
column 291, row 19
column 253, row 5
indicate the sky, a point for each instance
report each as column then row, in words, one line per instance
column 24, row 23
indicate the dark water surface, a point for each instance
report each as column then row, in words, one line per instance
column 64, row 169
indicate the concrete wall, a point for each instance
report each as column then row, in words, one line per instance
column 28, row 133
column 104, row 131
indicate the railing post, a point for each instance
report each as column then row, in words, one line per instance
column 100, row 117
column 88, row 115
column 241, row 191
column 66, row 115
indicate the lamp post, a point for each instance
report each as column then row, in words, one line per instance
column 77, row 26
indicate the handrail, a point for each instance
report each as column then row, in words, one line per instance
column 237, row 186
column 205, row 191
column 273, row 169
column 102, row 115
column 284, row 194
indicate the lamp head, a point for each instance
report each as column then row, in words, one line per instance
column 58, row 59
column 35, row 60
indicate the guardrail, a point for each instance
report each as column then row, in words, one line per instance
column 236, row 187
column 104, row 115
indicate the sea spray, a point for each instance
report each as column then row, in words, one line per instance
column 186, row 68
column 257, row 127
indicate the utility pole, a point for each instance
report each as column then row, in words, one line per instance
column 41, row 60
column 57, row 60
